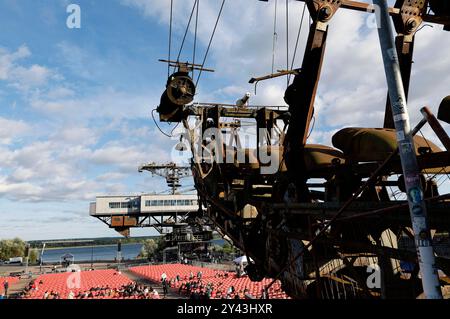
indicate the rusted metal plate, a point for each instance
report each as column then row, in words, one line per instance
column 116, row 221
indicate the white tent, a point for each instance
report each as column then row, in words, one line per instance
column 241, row 260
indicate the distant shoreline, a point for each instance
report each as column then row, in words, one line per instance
column 89, row 246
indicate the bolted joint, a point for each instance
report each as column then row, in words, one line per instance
column 325, row 13
column 411, row 25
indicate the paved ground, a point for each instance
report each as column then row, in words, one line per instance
column 6, row 270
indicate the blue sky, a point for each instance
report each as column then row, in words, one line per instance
column 75, row 104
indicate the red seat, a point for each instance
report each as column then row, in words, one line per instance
column 154, row 273
column 77, row 282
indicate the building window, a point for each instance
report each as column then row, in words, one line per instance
column 150, row 203
column 114, row 205
column 126, row 205
column 171, row 202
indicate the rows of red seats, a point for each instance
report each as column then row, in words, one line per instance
column 155, row 272
column 241, row 285
column 10, row 280
column 220, row 282
column 77, row 282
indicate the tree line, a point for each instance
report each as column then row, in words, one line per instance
column 88, row 242
column 152, row 248
column 11, row 248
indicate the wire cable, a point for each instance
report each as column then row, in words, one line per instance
column 298, row 39
column 287, row 41
column 195, row 37
column 275, row 37
column 156, row 123
column 170, row 37
column 187, row 30
column 210, row 42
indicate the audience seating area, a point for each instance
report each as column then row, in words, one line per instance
column 10, row 280
column 154, row 272
column 217, row 282
column 110, row 284
column 77, row 283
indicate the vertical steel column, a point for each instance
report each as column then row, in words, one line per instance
column 422, row 236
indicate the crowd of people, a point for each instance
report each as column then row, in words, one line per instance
column 192, row 282
column 31, row 287
column 130, row 291
column 201, row 290
column 206, row 283
column 197, row 288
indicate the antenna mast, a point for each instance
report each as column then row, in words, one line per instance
column 171, row 172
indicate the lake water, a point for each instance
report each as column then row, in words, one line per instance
column 97, row 253
column 100, row 253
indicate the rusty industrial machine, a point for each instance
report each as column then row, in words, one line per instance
column 317, row 217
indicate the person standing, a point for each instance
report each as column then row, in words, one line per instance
column 165, row 289
column 264, row 294
column 6, row 286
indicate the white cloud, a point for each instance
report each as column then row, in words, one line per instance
column 59, row 93
column 12, row 129
column 23, row 77
column 106, row 104
column 87, row 142
column 78, row 60
column 77, row 136
column 110, row 176
column 7, row 60
column 26, row 190
column 33, row 76
column 128, row 157
column 69, row 165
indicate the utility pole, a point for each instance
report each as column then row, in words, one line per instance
column 417, row 207
column 27, row 256
column 42, row 256
column 119, row 254
column 92, row 256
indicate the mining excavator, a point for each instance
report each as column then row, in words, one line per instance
column 324, row 218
